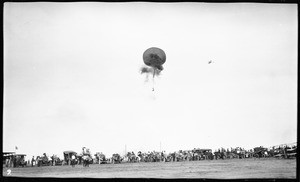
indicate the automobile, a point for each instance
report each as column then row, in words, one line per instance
column 7, row 159
column 19, row 160
column 68, row 156
column 43, row 160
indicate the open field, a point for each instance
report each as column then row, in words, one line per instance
column 229, row 169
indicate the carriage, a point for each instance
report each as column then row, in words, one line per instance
column 68, row 157
column 116, row 158
column 10, row 159
column 57, row 161
column 43, row 160
column 260, row 152
column 285, row 151
column 291, row 152
column 19, row 160
column 202, row 154
column 131, row 157
column 100, row 158
column 7, row 159
column 238, row 153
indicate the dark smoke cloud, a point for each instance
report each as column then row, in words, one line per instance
column 149, row 71
column 146, row 69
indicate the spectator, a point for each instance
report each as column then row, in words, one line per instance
column 53, row 160
column 32, row 161
column 73, row 160
column 7, row 162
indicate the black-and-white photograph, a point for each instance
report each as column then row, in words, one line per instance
column 150, row 90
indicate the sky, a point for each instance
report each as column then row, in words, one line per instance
column 72, row 76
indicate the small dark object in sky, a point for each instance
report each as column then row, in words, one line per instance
column 210, row 62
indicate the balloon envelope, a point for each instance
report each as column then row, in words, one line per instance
column 154, row 57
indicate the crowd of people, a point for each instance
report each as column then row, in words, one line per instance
column 86, row 158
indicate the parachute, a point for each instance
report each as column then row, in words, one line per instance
column 154, row 58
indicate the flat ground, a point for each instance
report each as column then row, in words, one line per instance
column 229, row 169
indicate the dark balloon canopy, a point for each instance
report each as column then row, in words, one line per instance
column 154, row 57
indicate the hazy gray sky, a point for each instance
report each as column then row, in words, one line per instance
column 71, row 76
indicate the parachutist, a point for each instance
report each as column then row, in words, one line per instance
column 210, row 62
column 152, row 89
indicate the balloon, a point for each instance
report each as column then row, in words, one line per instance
column 154, row 57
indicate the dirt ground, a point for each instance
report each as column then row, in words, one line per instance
column 228, row 169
